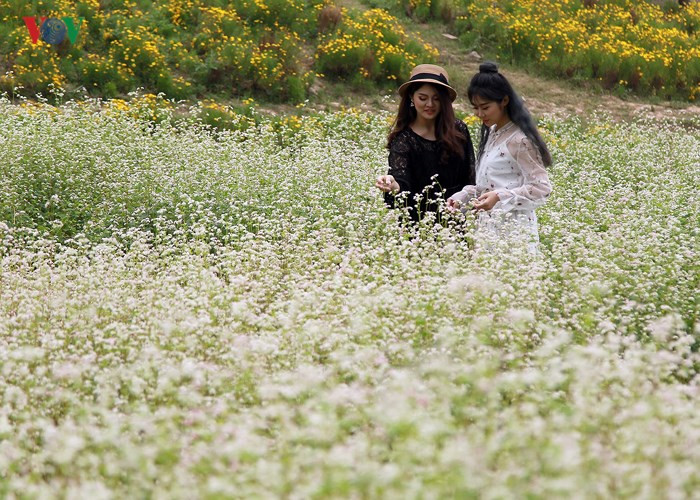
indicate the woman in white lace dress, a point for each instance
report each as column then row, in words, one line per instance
column 511, row 180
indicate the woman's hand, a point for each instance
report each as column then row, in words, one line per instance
column 453, row 205
column 387, row 183
column 486, row 201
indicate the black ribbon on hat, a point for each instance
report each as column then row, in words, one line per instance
column 433, row 76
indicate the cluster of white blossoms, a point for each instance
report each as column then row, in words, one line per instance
column 186, row 312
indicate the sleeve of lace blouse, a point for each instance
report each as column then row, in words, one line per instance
column 466, row 194
column 399, row 152
column 536, row 186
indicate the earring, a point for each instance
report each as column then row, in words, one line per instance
column 413, row 105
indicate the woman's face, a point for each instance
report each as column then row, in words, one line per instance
column 426, row 99
column 490, row 112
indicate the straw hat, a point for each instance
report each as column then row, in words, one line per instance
column 429, row 73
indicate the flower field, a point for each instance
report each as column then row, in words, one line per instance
column 184, row 48
column 374, row 47
column 624, row 44
column 190, row 311
column 643, row 47
column 275, row 49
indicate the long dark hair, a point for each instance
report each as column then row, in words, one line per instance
column 491, row 85
column 446, row 132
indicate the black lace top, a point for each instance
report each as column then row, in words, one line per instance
column 413, row 161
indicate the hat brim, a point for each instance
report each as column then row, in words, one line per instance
column 404, row 87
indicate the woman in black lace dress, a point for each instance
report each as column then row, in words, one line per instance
column 430, row 151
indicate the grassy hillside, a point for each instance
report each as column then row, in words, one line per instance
column 625, row 46
column 186, row 48
column 275, row 50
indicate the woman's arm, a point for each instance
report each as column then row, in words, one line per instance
column 536, row 186
column 467, row 193
column 399, row 168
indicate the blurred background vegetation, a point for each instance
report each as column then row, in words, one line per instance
column 278, row 50
column 272, row 49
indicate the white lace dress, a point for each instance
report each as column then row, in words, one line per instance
column 511, row 165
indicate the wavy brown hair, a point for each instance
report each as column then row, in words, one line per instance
column 445, row 130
